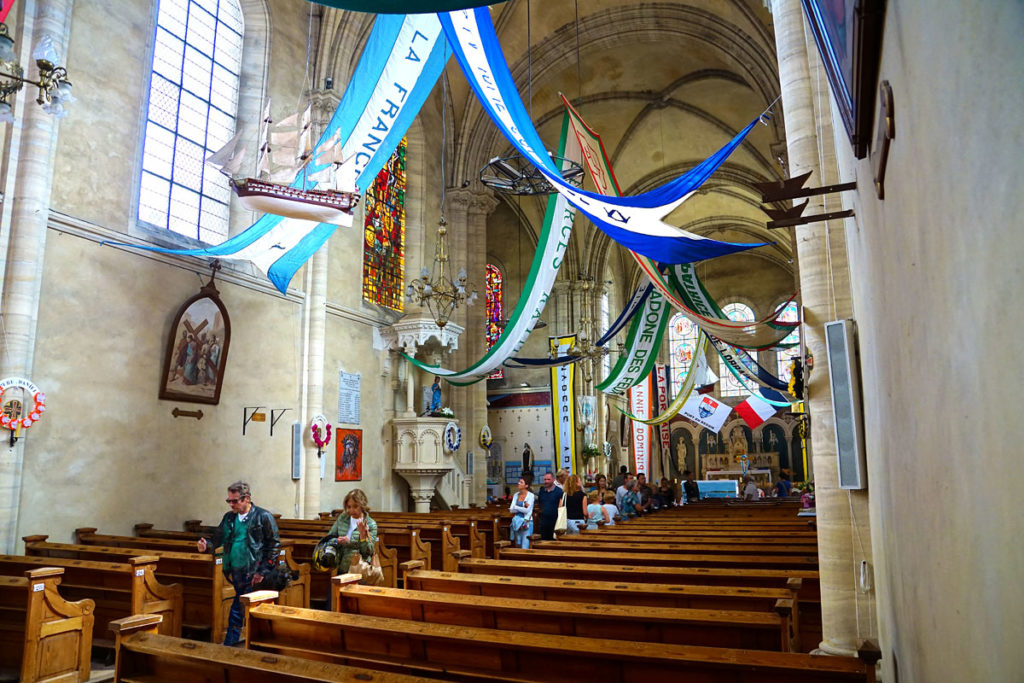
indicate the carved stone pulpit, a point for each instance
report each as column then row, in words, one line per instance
column 420, row 456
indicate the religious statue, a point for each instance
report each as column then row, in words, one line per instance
column 527, row 462
column 435, row 397
column 737, row 442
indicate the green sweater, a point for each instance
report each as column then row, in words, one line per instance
column 355, row 544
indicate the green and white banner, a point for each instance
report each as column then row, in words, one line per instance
column 554, row 240
column 642, row 345
column 698, row 369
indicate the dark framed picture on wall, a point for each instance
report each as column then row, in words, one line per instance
column 848, row 34
column 197, row 349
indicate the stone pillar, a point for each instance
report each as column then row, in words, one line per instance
column 29, row 197
column 313, row 377
column 844, row 540
column 468, row 241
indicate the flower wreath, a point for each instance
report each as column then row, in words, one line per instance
column 33, row 413
column 485, row 437
column 452, row 437
column 606, row 448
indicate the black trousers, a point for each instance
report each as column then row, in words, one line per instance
column 547, row 528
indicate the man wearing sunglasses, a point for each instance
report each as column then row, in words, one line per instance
column 251, row 545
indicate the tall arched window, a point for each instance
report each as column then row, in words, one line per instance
column 493, row 298
column 682, row 344
column 605, row 321
column 790, row 314
column 729, row 385
column 384, row 234
column 193, row 101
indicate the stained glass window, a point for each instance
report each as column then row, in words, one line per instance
column 790, row 314
column 193, row 100
column 682, row 345
column 493, row 295
column 729, row 385
column 384, row 234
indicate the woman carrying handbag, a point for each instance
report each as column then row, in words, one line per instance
column 356, row 535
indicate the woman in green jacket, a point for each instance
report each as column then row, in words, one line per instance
column 355, row 530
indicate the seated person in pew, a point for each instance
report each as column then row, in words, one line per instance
column 645, row 492
column 251, row 547
column 522, row 509
column 610, row 510
column 595, row 511
column 576, row 516
column 355, row 529
column 630, row 505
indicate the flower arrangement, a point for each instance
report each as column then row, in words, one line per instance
column 446, row 412
column 591, row 450
column 319, row 440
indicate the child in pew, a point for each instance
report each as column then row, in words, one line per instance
column 522, row 509
column 609, row 507
column 595, row 511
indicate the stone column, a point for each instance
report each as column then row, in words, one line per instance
column 468, row 241
column 844, row 540
column 29, row 200
column 313, row 377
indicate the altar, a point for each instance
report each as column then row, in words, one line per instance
column 760, row 465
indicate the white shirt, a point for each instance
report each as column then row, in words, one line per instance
column 353, row 524
column 525, row 507
column 619, row 493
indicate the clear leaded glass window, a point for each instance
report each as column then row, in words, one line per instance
column 682, row 344
column 729, row 385
column 193, row 100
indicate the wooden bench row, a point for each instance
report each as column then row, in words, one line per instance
column 474, row 653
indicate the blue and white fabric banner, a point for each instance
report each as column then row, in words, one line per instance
column 404, row 56
column 635, row 222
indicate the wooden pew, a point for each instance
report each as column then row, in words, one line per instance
column 405, row 543
column 682, row 626
column 623, row 546
column 43, row 637
column 207, row 593
column 297, row 592
column 118, row 589
column 617, row 533
column 143, row 654
column 679, row 559
column 641, row 595
column 470, row 653
column 810, row 590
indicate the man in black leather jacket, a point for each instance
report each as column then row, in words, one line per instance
column 251, row 546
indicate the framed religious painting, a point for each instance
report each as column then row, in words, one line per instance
column 349, row 454
column 848, row 34
column 197, row 350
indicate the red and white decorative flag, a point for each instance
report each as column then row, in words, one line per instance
column 661, row 381
column 5, row 7
column 754, row 411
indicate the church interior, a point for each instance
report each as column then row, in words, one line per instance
column 152, row 368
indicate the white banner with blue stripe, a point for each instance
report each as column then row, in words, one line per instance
column 635, row 222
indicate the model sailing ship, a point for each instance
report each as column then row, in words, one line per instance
column 285, row 152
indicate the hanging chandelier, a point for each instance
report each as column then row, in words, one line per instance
column 54, row 86
column 515, row 175
column 437, row 289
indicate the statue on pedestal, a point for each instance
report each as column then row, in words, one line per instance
column 435, row 398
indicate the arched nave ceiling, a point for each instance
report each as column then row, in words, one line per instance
column 665, row 84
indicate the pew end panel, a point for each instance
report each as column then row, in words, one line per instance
column 149, row 596
column 44, row 637
column 409, row 566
